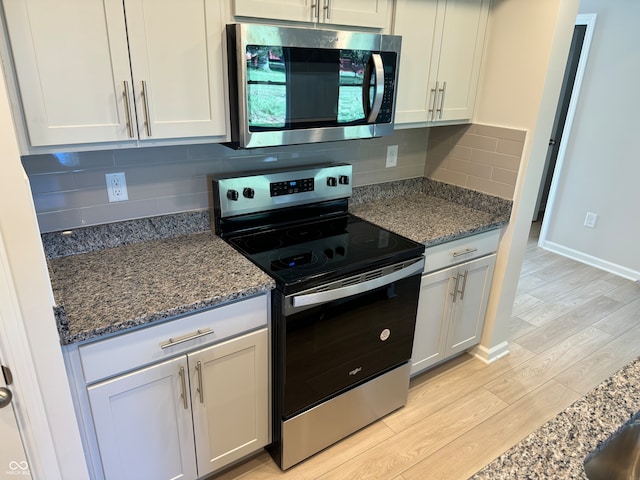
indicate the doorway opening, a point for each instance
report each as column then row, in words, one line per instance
column 565, row 112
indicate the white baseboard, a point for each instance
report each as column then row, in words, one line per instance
column 490, row 355
column 591, row 260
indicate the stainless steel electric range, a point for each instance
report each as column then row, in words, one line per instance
column 344, row 307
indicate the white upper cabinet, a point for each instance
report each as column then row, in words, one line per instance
column 177, row 64
column 441, row 56
column 359, row 13
column 100, row 71
column 72, row 61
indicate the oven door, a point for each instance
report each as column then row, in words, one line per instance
column 342, row 337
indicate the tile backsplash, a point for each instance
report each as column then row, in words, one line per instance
column 69, row 189
column 479, row 157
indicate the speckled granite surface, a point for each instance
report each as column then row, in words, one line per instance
column 116, row 276
column 437, row 214
column 103, row 292
column 557, row 449
column 95, row 238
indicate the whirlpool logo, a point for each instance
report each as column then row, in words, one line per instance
column 355, row 371
column 18, row 469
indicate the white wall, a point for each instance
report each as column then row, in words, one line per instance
column 601, row 168
column 527, row 46
column 45, row 410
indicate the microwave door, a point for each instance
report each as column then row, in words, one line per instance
column 313, row 80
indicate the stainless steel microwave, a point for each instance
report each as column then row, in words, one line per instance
column 296, row 85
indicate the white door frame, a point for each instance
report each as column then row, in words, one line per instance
column 19, row 361
column 30, row 345
column 590, row 21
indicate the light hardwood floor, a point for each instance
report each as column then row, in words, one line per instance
column 572, row 327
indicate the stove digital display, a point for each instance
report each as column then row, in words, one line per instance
column 291, row 186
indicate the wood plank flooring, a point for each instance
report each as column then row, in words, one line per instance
column 572, row 327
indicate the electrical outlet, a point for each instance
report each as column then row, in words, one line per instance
column 392, row 156
column 116, row 187
column 590, row 220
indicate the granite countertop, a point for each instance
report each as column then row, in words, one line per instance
column 558, row 449
column 427, row 219
column 438, row 213
column 107, row 291
column 113, row 277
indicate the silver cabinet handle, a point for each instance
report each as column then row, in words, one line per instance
column 183, row 388
column 455, row 288
column 315, row 10
column 200, row 389
column 145, row 98
column 185, row 338
column 444, row 91
column 127, row 109
column 327, row 9
column 432, row 110
column 464, row 252
column 464, row 284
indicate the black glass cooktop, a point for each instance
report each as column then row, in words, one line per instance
column 315, row 252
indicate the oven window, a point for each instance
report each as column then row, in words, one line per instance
column 292, row 88
column 343, row 343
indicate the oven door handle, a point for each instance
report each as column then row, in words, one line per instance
column 310, row 299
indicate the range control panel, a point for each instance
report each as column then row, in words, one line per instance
column 263, row 191
column 292, row 186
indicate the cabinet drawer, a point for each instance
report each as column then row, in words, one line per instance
column 461, row 250
column 125, row 352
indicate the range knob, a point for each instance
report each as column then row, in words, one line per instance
column 248, row 192
column 332, row 181
column 344, row 180
column 232, row 195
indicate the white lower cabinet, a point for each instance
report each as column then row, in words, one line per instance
column 453, row 300
column 176, row 400
column 230, row 400
column 144, row 428
column 186, row 417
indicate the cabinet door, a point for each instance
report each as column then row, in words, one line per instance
column 292, row 10
column 176, row 53
column 362, row 13
column 415, row 20
column 229, row 393
column 470, row 306
column 434, row 308
column 72, row 62
column 143, row 423
column 457, row 54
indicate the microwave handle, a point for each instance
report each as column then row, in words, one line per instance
column 376, row 64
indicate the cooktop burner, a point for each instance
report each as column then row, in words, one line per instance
column 305, row 237
column 317, row 251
